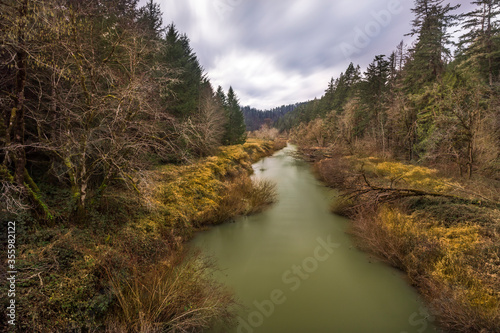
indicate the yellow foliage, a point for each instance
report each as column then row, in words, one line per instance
column 448, row 247
column 408, row 175
column 396, row 222
column 186, row 195
column 453, row 267
column 457, row 239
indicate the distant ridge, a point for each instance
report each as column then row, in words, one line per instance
column 255, row 118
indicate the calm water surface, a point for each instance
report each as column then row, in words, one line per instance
column 294, row 269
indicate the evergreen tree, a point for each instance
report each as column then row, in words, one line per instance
column 330, row 91
column 426, row 66
column 221, row 96
column 480, row 45
column 431, row 24
column 184, row 95
column 150, row 17
column 235, row 128
column 376, row 78
column 344, row 87
column 373, row 94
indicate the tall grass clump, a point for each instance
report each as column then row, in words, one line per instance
column 177, row 297
column 242, row 196
column 262, row 194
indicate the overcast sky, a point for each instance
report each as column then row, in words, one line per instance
column 276, row 52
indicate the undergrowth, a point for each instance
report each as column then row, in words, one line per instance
column 126, row 268
column 448, row 246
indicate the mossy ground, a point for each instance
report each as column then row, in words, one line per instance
column 113, row 272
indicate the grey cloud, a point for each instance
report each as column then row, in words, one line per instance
column 301, row 38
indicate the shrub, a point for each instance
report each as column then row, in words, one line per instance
column 242, row 196
column 176, row 296
column 265, row 133
column 452, row 265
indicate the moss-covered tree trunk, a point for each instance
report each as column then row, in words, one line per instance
column 14, row 138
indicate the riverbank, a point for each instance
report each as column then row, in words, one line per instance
column 443, row 233
column 293, row 268
column 126, row 269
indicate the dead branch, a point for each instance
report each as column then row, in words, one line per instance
column 379, row 194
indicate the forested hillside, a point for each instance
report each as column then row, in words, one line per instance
column 254, row 118
column 95, row 92
column 420, row 102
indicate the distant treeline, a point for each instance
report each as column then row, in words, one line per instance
column 254, row 118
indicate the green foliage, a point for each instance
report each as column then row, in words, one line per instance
column 235, row 127
column 60, row 283
column 255, row 119
column 150, row 16
column 431, row 25
column 345, row 88
column 184, row 94
column 479, row 45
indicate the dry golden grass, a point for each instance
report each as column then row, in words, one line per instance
column 447, row 264
column 214, row 190
column 177, row 296
column 450, row 248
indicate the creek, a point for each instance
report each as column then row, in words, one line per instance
column 294, row 268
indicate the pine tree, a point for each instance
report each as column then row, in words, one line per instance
column 480, row 45
column 431, row 24
column 344, row 86
column 376, row 77
column 329, row 97
column 150, row 17
column 221, row 96
column 373, row 91
column 235, row 128
column 183, row 97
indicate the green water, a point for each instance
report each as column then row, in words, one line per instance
column 294, row 269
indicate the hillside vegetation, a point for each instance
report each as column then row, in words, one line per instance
column 126, row 269
column 441, row 232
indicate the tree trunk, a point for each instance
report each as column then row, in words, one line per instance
column 489, row 48
column 470, row 162
column 18, row 123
